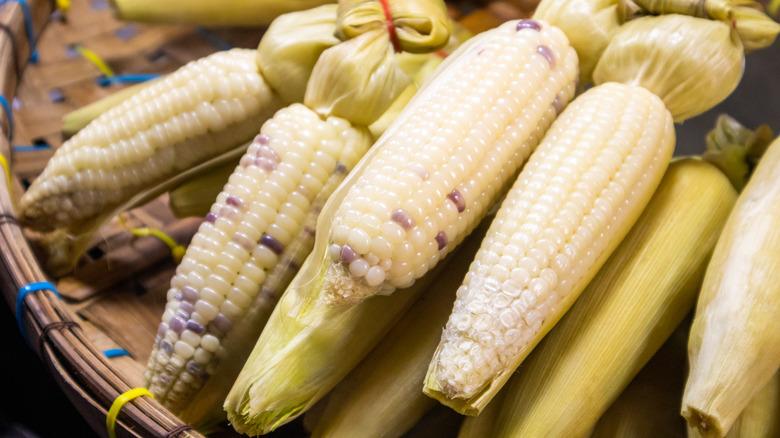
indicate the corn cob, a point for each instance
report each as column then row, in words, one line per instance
column 446, row 161
column 381, row 396
column 577, row 197
column 276, row 386
column 252, row 228
column 74, row 121
column 734, row 347
column 622, row 319
column 761, row 417
column 234, row 13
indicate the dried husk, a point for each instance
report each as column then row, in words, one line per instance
column 420, row 25
column 692, row 64
column 626, row 313
column 589, row 25
column 356, row 80
column 291, row 46
column 761, row 417
column 754, row 27
column 734, row 347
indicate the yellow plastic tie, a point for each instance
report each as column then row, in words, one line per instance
column 63, row 5
column 177, row 250
column 7, row 170
column 117, row 406
column 95, row 59
column 774, row 6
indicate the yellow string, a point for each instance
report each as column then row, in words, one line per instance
column 117, row 406
column 63, row 5
column 774, row 6
column 95, row 59
column 7, row 170
column 177, row 250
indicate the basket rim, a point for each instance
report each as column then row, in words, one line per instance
column 78, row 367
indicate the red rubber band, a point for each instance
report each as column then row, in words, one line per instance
column 391, row 26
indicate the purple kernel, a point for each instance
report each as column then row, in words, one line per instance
column 211, row 217
column 177, row 297
column 348, row 255
column 222, row 323
column 547, row 53
column 558, row 104
column 342, row 169
column 458, row 200
column 176, row 324
column 266, row 293
column 196, row 327
column 167, row 347
column 265, row 157
column 529, row 24
column 161, row 329
column 229, row 212
column 234, row 201
column 265, row 164
column 189, row 293
column 184, row 315
column 243, row 241
column 272, row 244
column 262, row 139
column 441, row 239
column 188, row 307
column 402, row 218
column 193, row 367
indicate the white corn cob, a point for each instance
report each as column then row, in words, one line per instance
column 253, row 240
column 203, row 109
column 575, row 199
column 448, row 158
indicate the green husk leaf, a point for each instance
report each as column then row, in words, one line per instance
column 291, row 46
column 420, row 25
column 589, row 25
column 735, row 149
column 356, row 80
column 75, row 120
column 692, row 64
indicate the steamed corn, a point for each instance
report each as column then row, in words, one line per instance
column 447, row 159
column 579, row 194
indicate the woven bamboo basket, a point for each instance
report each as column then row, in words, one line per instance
column 115, row 297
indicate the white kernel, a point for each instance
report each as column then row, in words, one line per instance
column 358, row 268
column 210, row 343
column 206, row 310
column 201, row 356
column 183, row 349
column 375, row 276
column 190, row 338
column 334, row 251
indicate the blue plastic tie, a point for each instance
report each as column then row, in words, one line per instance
column 32, row 287
column 116, row 352
column 105, row 81
column 9, row 113
column 28, row 22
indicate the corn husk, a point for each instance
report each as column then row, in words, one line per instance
column 479, row 426
column 648, row 407
column 292, row 45
column 734, row 347
column 589, row 25
column 234, row 13
column 692, row 64
column 420, row 26
column 382, row 396
column 756, row 30
column 626, row 313
column 761, row 417
column 74, row 121
column 356, row 80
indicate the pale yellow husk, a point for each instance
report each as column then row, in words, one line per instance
column 761, row 417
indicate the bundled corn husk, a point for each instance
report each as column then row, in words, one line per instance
column 235, row 13
column 589, row 25
column 382, row 396
column 734, row 347
column 754, row 27
column 692, row 64
column 415, row 26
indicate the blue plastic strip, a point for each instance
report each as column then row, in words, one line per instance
column 116, row 352
column 218, row 42
column 9, row 114
column 32, row 287
column 30, row 148
column 28, row 22
column 105, row 81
